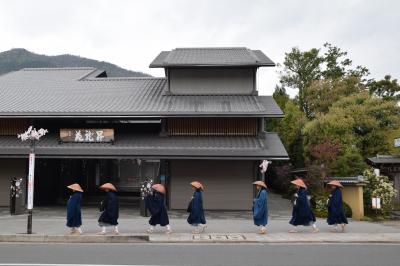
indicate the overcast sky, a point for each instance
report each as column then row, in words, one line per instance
column 131, row 33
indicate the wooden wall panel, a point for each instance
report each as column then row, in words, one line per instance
column 227, row 183
column 12, row 127
column 212, row 126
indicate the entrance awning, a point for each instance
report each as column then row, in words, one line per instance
column 385, row 159
column 155, row 147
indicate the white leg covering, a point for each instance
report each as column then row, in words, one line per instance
column 169, row 231
column 263, row 230
column 314, row 225
column 116, row 232
column 151, row 229
column 335, row 228
column 315, row 228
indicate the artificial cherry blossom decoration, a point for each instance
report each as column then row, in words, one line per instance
column 146, row 189
column 32, row 134
column 264, row 166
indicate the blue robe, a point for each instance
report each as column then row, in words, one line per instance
column 335, row 208
column 111, row 210
column 196, row 215
column 260, row 208
column 74, row 217
column 302, row 213
column 155, row 204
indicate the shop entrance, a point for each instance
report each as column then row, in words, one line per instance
column 53, row 175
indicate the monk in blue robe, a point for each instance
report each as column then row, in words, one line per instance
column 195, row 208
column 110, row 209
column 302, row 213
column 74, row 216
column 336, row 215
column 156, row 206
column 260, row 207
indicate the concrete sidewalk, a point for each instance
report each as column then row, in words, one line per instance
column 223, row 227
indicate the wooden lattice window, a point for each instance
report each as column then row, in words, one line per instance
column 212, row 126
column 12, row 127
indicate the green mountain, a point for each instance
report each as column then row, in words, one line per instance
column 16, row 59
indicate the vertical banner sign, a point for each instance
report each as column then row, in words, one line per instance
column 31, row 177
column 397, row 143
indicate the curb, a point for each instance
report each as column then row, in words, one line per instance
column 74, row 239
column 201, row 239
column 277, row 238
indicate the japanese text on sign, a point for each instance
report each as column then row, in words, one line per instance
column 87, row 135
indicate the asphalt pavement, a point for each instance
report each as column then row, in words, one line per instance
column 196, row 255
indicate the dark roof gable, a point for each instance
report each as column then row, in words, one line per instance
column 221, row 56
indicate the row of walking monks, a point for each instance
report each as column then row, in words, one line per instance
column 302, row 214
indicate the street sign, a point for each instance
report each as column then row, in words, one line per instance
column 31, row 180
column 397, row 143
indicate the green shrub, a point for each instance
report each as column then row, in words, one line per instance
column 347, row 210
column 321, row 210
column 319, row 205
column 378, row 186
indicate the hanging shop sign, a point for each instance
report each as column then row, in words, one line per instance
column 31, row 176
column 87, row 135
column 397, row 143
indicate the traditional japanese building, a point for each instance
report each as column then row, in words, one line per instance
column 204, row 121
column 388, row 165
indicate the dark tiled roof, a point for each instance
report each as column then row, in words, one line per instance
column 346, row 179
column 154, row 146
column 385, row 159
column 75, row 92
column 233, row 56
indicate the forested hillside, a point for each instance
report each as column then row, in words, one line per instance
column 16, row 59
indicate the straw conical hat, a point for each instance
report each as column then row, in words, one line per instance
column 299, row 182
column 260, row 183
column 197, row 185
column 158, row 187
column 75, row 187
column 108, row 186
column 335, row 183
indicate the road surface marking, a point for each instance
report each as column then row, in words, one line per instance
column 49, row 264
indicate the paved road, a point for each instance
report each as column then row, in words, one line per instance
column 150, row 254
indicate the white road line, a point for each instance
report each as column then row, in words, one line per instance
column 47, row 264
